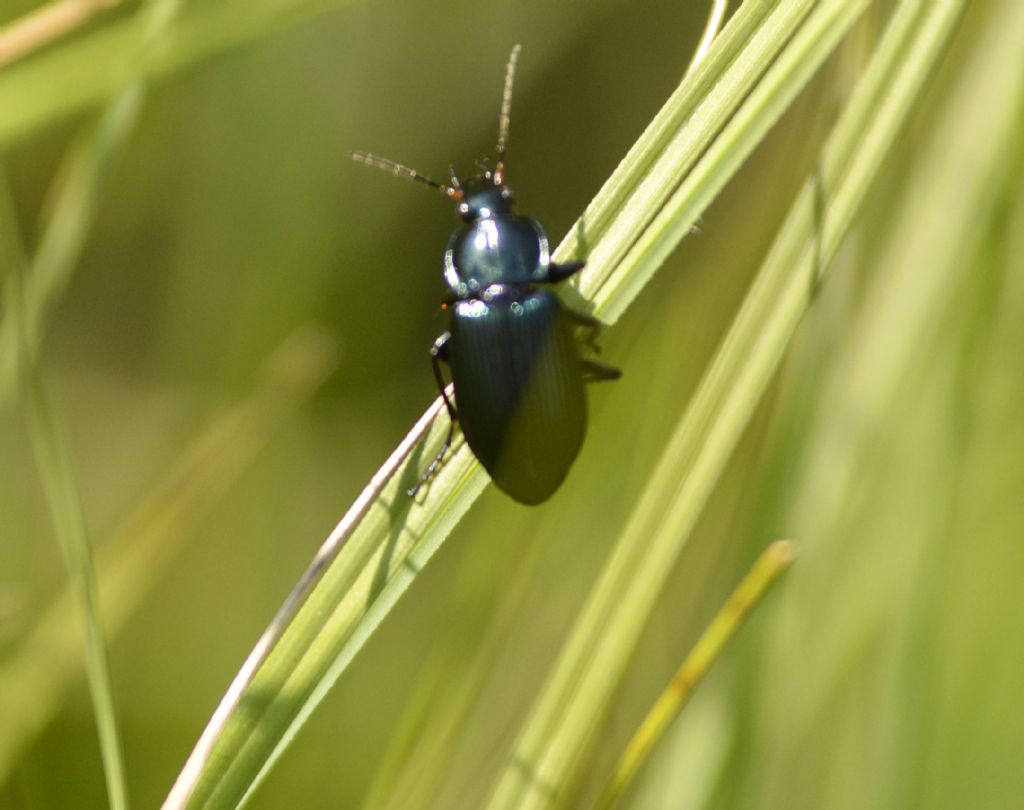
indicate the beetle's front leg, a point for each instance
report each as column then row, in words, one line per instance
column 439, row 353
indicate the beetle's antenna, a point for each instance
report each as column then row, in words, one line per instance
column 506, row 114
column 398, row 170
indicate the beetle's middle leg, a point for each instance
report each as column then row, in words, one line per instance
column 439, row 353
column 592, row 325
column 593, row 371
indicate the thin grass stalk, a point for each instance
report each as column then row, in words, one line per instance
column 79, row 190
column 36, row 677
column 60, row 487
column 30, row 295
column 768, row 567
column 64, row 501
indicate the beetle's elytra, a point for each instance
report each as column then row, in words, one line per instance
column 512, row 349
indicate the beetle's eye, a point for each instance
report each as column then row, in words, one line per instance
column 464, row 211
column 507, row 194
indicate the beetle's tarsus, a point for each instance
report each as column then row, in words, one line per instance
column 432, row 467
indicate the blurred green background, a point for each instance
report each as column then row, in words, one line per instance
column 887, row 669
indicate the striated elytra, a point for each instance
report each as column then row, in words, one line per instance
column 512, row 349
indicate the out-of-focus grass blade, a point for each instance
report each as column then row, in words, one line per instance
column 29, row 293
column 772, row 563
column 12, row 279
column 949, row 201
column 33, row 681
column 79, row 185
column 90, row 69
column 79, row 188
column 42, row 26
column 542, row 764
column 60, row 486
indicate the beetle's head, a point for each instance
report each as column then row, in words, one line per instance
column 483, row 197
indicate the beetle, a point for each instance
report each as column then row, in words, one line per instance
column 512, row 349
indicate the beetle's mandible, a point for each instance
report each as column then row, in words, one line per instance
column 512, row 349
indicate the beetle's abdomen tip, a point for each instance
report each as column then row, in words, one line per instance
column 530, row 492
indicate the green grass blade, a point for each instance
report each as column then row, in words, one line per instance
column 384, row 540
column 803, row 55
column 554, row 737
column 670, row 147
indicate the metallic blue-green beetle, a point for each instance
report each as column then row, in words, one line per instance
column 512, row 347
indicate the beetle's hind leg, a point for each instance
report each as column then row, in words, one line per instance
column 594, row 371
column 439, row 353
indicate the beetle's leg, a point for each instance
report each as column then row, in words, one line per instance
column 591, row 324
column 439, row 353
column 560, row 272
column 593, row 371
column 583, row 319
column 599, row 372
